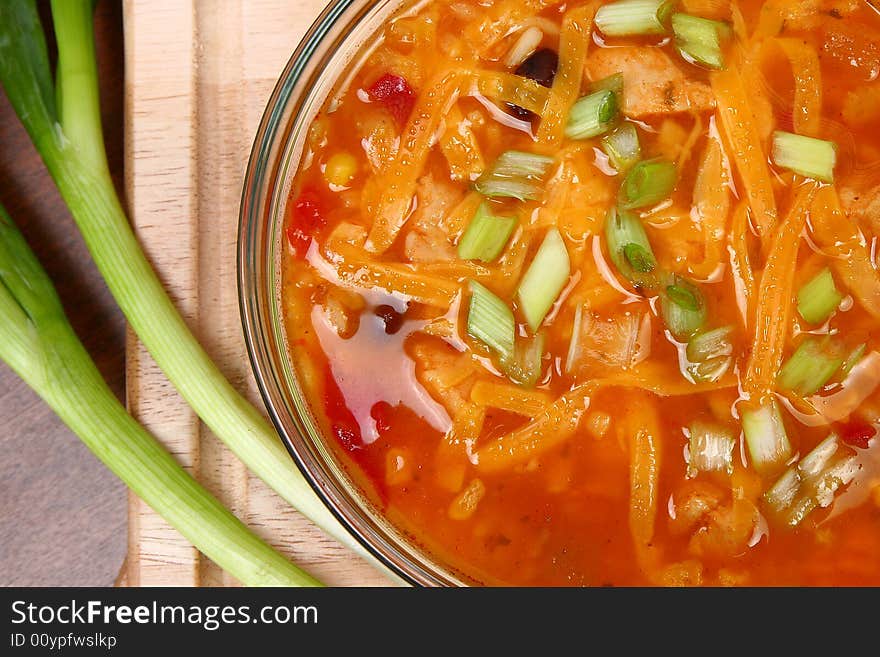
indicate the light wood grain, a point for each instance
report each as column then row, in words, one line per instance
column 198, row 75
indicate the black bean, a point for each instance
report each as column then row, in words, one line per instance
column 393, row 319
column 540, row 66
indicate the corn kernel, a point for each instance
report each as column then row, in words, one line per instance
column 340, row 169
column 398, row 467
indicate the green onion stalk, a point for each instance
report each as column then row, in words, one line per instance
column 38, row 343
column 63, row 121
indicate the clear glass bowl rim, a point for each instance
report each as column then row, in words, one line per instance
column 289, row 109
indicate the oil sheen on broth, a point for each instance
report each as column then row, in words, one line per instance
column 586, row 293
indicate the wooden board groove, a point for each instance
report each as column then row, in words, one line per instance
column 198, row 74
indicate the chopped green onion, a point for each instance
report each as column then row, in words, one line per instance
column 765, row 436
column 490, row 321
column 639, row 258
column 647, row 183
column 853, row 359
column 710, row 448
column 819, row 298
column 633, row 17
column 626, row 238
column 816, row 461
column 520, row 189
column 710, row 344
column 524, row 367
column 841, row 471
column 622, row 147
column 710, row 354
column 813, row 482
column 699, row 39
column 709, row 371
column 683, row 307
column 613, row 83
column 574, row 343
column 515, row 174
column 37, row 341
column 683, row 296
column 811, row 158
column 545, row 279
column 486, row 235
column 810, row 367
column 592, row 115
column 69, row 139
column 519, row 164
column 818, row 492
column 781, row 495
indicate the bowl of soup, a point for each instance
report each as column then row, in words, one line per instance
column 583, row 293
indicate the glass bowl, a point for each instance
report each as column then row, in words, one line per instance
column 309, row 77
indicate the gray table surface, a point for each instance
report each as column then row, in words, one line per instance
column 62, row 514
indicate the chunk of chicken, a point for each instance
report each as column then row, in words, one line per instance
column 718, row 529
column 863, row 207
column 445, row 373
column 727, row 532
column 426, row 239
column 693, row 502
column 652, row 82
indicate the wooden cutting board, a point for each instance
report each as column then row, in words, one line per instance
column 197, row 78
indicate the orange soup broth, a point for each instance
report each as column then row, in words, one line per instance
column 562, row 517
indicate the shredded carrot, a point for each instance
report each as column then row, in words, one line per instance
column 551, row 427
column 640, row 428
column 739, row 22
column 834, row 232
column 687, row 147
column 355, row 267
column 773, row 312
column 771, row 19
column 807, row 85
column 513, row 261
column 460, row 148
column 557, row 192
column 396, row 185
column 744, row 277
column 574, row 39
column 439, row 370
column 711, row 207
column 452, row 452
column 598, row 296
column 457, row 373
column 509, row 397
column 558, row 421
column 455, row 269
column 718, row 10
column 398, row 182
column 653, row 377
column 500, row 19
column 460, row 215
column 508, row 88
column 742, row 138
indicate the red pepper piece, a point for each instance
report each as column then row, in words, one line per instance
column 342, row 422
column 395, row 94
column 303, row 222
column 381, row 412
column 858, row 434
